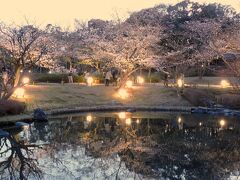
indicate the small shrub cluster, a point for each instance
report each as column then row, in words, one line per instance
column 11, row 107
column 229, row 100
column 58, row 78
column 198, row 97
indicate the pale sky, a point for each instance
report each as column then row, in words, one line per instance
column 63, row 12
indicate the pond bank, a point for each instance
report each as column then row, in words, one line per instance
column 193, row 110
column 109, row 108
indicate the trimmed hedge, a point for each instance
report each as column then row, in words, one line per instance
column 58, row 78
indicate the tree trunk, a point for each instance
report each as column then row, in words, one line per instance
column 149, row 75
column 16, row 83
column 17, row 76
column 125, row 78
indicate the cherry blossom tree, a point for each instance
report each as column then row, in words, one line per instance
column 21, row 49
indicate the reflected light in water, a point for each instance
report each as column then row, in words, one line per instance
column 122, row 115
column 89, row 118
column 128, row 121
column 179, row 119
column 222, row 122
column 138, row 121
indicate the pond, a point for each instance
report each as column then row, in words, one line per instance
column 123, row 145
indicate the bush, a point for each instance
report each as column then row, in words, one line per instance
column 51, row 78
column 198, row 97
column 154, row 78
column 56, row 78
column 11, row 107
column 78, row 79
column 229, row 100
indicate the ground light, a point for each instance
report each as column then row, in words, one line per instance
column 224, row 83
column 129, row 84
column 122, row 93
column 140, row 80
column 25, row 80
column 89, row 81
column 180, row 83
column 19, row 93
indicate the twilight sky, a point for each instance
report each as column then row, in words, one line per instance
column 63, row 12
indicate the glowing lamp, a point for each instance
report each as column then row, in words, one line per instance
column 90, row 81
column 224, row 83
column 50, row 72
column 200, row 124
column 89, row 118
column 29, row 71
column 129, row 84
column 19, row 92
column 21, row 71
column 25, row 80
column 222, row 122
column 122, row 115
column 140, row 80
column 180, row 83
column 123, row 93
column 128, row 121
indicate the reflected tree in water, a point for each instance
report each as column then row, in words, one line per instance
column 17, row 159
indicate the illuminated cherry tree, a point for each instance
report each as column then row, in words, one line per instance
column 21, row 49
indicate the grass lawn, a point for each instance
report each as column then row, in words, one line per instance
column 53, row 96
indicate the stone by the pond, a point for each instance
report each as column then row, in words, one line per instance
column 200, row 110
column 3, row 133
column 215, row 111
column 22, row 124
column 131, row 110
column 39, row 115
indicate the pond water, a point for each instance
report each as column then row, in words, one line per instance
column 123, row 145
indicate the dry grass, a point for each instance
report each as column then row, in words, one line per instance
column 53, row 96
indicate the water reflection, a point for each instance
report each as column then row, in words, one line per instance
column 123, row 146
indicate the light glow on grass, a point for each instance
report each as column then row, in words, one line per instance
column 129, row 84
column 224, row 84
column 19, row 93
column 122, row 93
column 140, row 80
